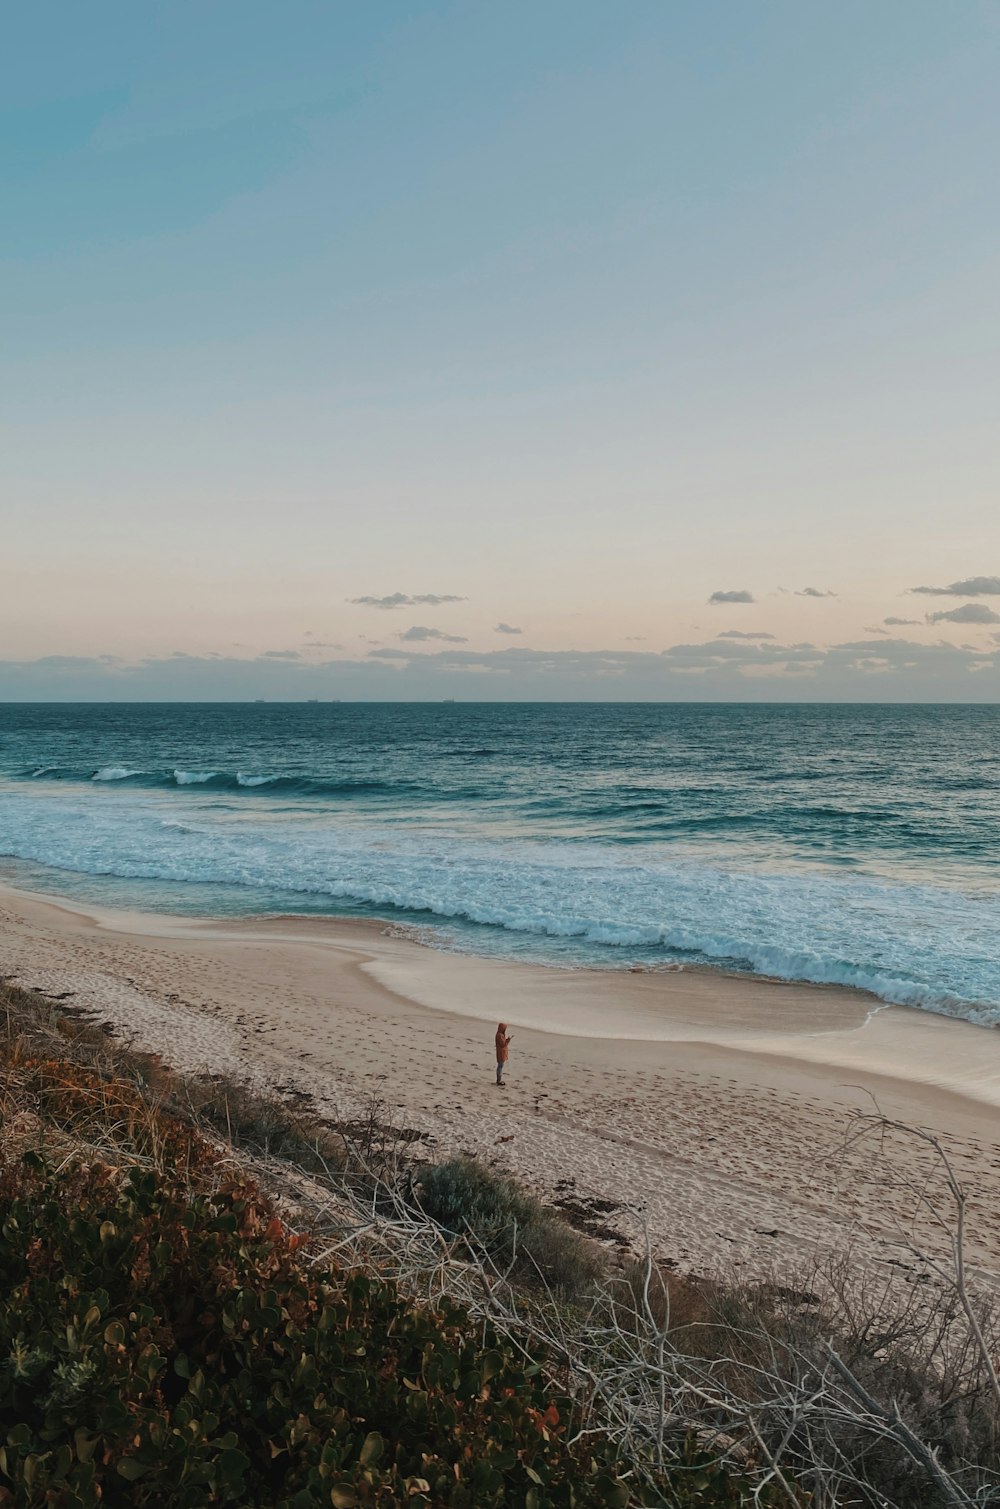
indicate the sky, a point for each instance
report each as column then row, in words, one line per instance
column 549, row 350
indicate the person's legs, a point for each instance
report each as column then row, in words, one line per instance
column 500, row 1068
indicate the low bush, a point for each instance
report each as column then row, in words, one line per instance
column 908, row 1417
column 166, row 1347
column 496, row 1216
column 111, row 1112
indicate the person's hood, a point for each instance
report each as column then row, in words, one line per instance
column 502, row 1027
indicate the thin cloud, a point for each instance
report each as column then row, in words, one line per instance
column 874, row 629
column 717, row 653
column 57, row 664
column 507, row 629
column 902, row 622
column 716, row 663
column 970, row 613
column 404, row 600
column 280, row 655
column 421, row 632
column 732, row 597
column 874, row 668
column 973, row 586
column 813, row 592
column 744, row 634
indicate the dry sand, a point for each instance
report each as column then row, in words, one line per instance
column 718, row 1114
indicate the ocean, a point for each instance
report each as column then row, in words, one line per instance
column 856, row 845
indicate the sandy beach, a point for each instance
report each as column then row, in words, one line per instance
column 718, row 1114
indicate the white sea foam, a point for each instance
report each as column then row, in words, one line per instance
column 255, row 780
column 194, row 777
column 910, row 944
column 114, row 773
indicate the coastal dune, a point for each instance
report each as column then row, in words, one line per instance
column 717, row 1117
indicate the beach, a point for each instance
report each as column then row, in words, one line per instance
column 717, row 1117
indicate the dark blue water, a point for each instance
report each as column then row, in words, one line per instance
column 835, row 844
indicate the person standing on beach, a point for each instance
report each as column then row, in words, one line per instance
column 503, row 1052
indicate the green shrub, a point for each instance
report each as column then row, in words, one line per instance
column 160, row 1347
column 471, row 1201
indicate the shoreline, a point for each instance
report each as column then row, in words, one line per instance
column 964, row 994
column 834, row 1027
column 710, row 1109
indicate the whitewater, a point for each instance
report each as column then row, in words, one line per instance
column 835, row 845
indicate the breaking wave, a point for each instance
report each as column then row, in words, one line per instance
column 234, row 781
column 917, row 945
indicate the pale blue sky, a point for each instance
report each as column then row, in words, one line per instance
column 576, row 312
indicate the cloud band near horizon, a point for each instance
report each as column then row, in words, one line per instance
column 883, row 669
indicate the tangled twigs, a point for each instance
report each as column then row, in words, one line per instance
column 882, row 1394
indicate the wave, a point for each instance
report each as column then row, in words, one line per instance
column 911, row 944
column 235, row 781
column 838, row 833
